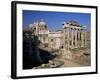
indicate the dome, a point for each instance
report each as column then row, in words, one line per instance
column 42, row 22
column 30, row 25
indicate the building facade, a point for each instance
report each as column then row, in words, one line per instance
column 71, row 36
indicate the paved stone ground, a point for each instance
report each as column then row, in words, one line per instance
column 82, row 57
column 79, row 58
column 69, row 63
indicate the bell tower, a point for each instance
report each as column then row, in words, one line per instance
column 42, row 25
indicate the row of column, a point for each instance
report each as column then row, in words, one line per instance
column 75, row 38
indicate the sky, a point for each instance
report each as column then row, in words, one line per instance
column 54, row 20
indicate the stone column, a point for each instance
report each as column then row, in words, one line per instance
column 68, row 39
column 75, row 38
column 82, row 38
column 85, row 35
column 64, row 40
column 79, row 38
column 67, row 53
column 72, row 36
column 78, row 33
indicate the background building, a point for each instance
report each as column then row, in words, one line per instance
column 73, row 35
